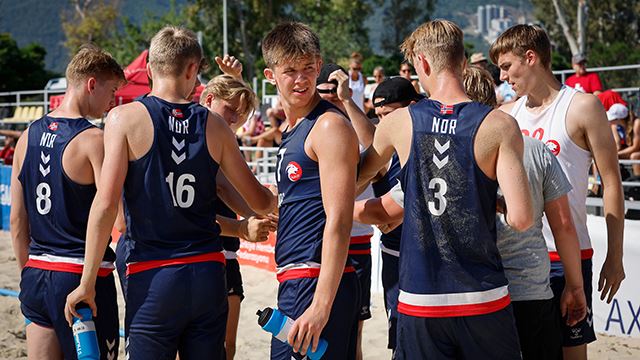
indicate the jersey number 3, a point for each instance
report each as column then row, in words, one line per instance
column 182, row 193
column 438, row 208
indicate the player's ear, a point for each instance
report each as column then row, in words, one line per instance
column 530, row 57
column 269, row 75
column 91, row 84
column 424, row 63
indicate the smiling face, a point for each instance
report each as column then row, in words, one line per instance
column 516, row 70
column 296, row 80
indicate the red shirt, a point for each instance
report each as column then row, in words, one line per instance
column 610, row 97
column 7, row 154
column 587, row 83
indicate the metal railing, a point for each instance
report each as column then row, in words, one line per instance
column 563, row 73
column 18, row 98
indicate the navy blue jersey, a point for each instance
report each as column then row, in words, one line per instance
column 302, row 216
column 390, row 240
column 170, row 192
column 58, row 207
column 449, row 263
column 229, row 243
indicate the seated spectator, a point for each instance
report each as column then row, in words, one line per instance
column 632, row 149
column 478, row 59
column 406, row 71
column 6, row 154
column 610, row 97
column 584, row 81
column 617, row 115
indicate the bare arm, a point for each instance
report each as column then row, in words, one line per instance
column 382, row 210
column 335, row 145
column 635, row 145
column 19, row 218
column 231, row 197
column 378, row 155
column 573, row 303
column 600, row 141
column 510, row 173
column 103, row 210
column 361, row 123
column 235, row 169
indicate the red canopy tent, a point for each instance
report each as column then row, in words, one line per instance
column 137, row 84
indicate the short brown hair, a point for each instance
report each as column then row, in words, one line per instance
column 479, row 85
column 441, row 41
column 289, row 41
column 520, row 38
column 172, row 48
column 228, row 88
column 92, row 61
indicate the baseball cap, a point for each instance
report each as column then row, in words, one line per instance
column 396, row 89
column 477, row 57
column 326, row 70
column 578, row 58
column 617, row 111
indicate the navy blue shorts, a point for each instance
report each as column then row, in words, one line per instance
column 341, row 331
column 491, row 336
column 234, row 279
column 390, row 273
column 43, row 294
column 582, row 332
column 179, row 308
column 121, row 266
column 539, row 329
column 362, row 264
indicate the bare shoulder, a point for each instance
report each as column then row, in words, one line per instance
column 331, row 132
column 508, row 107
column 127, row 116
column 586, row 108
column 332, row 121
column 498, row 120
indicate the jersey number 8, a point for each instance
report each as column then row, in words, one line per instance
column 43, row 198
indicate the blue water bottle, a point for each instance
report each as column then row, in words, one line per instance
column 84, row 335
column 278, row 324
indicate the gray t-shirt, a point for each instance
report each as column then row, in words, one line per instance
column 524, row 254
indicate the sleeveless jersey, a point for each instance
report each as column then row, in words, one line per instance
column 58, row 207
column 302, row 217
column 391, row 241
column 549, row 126
column 170, row 192
column 450, row 265
column 357, row 90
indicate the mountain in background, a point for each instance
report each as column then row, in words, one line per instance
column 38, row 21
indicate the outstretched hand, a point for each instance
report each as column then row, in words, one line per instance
column 257, row 228
column 230, row 66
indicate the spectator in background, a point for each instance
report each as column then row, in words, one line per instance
column 6, row 154
column 357, row 81
column 406, row 71
column 610, row 97
column 478, row 59
column 378, row 76
column 583, row 81
column 617, row 115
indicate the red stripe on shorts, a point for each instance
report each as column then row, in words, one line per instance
column 63, row 267
column 585, row 254
column 305, row 273
column 454, row 310
column 153, row 264
column 362, row 239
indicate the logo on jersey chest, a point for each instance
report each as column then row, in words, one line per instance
column 177, row 113
column 53, row 126
column 294, row 171
column 553, row 145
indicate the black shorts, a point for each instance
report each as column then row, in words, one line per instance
column 582, row 332
column 539, row 329
column 234, row 279
column 362, row 264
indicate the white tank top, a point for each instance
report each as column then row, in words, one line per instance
column 360, row 229
column 357, row 90
column 549, row 126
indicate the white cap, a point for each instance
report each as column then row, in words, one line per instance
column 617, row 111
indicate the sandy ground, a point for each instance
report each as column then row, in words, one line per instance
column 253, row 342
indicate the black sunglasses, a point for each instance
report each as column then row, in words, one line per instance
column 328, row 91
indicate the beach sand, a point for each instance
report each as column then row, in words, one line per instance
column 253, row 343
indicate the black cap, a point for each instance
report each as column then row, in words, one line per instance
column 264, row 316
column 397, row 89
column 326, row 70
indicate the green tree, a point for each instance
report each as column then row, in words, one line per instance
column 90, row 21
column 21, row 68
column 612, row 35
column 401, row 17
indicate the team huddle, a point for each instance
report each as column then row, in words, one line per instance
column 489, row 257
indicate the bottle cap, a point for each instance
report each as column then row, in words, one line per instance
column 264, row 316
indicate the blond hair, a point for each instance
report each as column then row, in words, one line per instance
column 171, row 50
column 440, row 41
column 92, row 61
column 479, row 85
column 519, row 39
column 228, row 88
column 289, row 41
